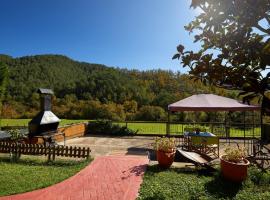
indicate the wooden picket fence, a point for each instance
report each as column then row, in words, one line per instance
column 40, row 149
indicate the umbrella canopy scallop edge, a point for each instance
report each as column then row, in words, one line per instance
column 210, row 102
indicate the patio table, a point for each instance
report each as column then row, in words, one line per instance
column 203, row 134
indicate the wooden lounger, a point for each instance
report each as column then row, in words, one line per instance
column 196, row 158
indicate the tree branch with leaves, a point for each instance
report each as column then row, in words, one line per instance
column 3, row 81
column 235, row 46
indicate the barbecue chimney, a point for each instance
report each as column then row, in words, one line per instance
column 45, row 122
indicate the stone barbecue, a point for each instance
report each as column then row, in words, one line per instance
column 45, row 122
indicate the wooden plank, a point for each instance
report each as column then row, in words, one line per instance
column 45, row 150
column 195, row 157
column 57, row 150
column 79, row 152
column 62, row 150
column 70, row 151
column 53, row 152
column 83, row 152
column 66, row 151
column 88, row 152
column 75, row 152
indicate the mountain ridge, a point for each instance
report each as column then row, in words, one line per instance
column 82, row 81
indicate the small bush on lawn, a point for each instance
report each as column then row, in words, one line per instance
column 106, row 127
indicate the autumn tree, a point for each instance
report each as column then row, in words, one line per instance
column 235, row 46
column 3, row 80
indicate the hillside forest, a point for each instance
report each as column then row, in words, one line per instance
column 93, row 91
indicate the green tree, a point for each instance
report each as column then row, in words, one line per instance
column 151, row 113
column 3, row 81
column 84, row 90
column 164, row 98
column 235, row 46
column 130, row 106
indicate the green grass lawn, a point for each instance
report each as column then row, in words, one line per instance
column 31, row 173
column 183, row 184
column 24, row 122
column 144, row 127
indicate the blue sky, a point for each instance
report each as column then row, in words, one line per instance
column 141, row 34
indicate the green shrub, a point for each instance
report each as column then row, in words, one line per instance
column 97, row 110
column 164, row 144
column 259, row 177
column 16, row 135
column 235, row 155
column 106, row 127
column 151, row 113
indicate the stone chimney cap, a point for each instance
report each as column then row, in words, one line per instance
column 45, row 91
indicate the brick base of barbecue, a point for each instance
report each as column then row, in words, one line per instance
column 66, row 132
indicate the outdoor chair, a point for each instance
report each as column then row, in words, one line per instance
column 187, row 138
column 205, row 145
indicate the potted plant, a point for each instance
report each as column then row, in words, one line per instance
column 16, row 137
column 165, row 150
column 234, row 165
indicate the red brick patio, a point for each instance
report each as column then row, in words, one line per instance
column 112, row 177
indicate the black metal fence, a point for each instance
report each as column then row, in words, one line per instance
column 223, row 130
column 178, row 128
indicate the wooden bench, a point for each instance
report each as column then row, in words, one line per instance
column 40, row 149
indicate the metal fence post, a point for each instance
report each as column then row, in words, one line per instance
column 244, row 128
column 168, row 125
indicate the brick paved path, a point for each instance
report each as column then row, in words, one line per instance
column 112, row 177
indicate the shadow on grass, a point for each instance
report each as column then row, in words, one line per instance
column 221, row 188
column 156, row 196
column 187, row 170
column 37, row 161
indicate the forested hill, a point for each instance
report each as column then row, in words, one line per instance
column 80, row 87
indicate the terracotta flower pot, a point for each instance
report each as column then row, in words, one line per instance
column 165, row 159
column 236, row 172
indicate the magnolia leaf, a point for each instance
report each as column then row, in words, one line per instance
column 197, row 38
column 180, row 48
column 176, row 56
column 266, row 48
